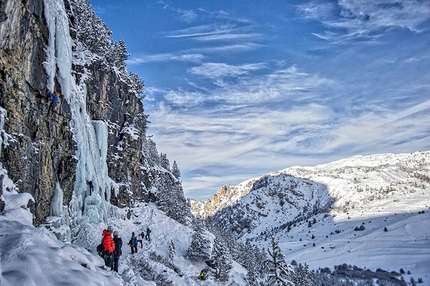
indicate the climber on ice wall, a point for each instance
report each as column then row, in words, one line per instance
column 55, row 100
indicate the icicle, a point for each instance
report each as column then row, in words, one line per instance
column 59, row 49
column 56, row 207
column 49, row 63
column 3, row 114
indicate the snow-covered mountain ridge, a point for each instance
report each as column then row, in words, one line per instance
column 336, row 213
column 224, row 197
column 351, row 182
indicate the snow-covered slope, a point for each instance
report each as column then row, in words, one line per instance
column 34, row 256
column 314, row 211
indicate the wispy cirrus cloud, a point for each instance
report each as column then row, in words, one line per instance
column 186, row 15
column 383, row 129
column 220, row 70
column 366, row 19
column 217, row 32
column 232, row 48
column 247, row 85
column 166, row 57
column 277, row 85
column 202, row 30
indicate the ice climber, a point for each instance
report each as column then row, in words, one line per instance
column 54, row 103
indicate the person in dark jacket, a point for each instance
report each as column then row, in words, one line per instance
column 133, row 243
column 108, row 246
column 148, row 233
column 117, row 252
column 142, row 236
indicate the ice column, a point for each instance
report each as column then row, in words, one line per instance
column 91, row 192
column 3, row 114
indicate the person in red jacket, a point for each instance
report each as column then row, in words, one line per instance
column 109, row 246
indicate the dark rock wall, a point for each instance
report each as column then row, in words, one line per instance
column 39, row 149
column 108, row 99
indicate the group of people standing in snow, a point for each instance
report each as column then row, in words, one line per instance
column 134, row 240
column 110, row 247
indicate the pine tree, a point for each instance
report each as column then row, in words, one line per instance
column 280, row 273
column 201, row 244
column 223, row 260
column 302, row 276
column 152, row 152
column 252, row 277
column 175, row 170
column 135, row 85
column 118, row 55
column 93, row 45
column 170, row 198
column 172, row 251
column 89, row 29
column 164, row 161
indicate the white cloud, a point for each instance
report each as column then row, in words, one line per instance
column 184, row 99
column 202, row 31
column 166, row 57
column 225, row 137
column 381, row 130
column 219, row 70
column 232, row 37
column 233, row 48
column 237, row 85
column 187, row 15
column 366, row 19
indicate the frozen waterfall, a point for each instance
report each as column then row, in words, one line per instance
column 92, row 188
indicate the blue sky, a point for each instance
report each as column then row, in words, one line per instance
column 236, row 89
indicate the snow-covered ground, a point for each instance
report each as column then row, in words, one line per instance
column 405, row 244
column 34, row 256
column 380, row 191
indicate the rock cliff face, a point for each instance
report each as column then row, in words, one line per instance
column 226, row 196
column 40, row 150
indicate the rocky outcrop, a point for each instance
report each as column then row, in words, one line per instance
column 109, row 101
column 38, row 150
column 226, row 196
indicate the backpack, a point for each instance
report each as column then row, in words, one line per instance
column 100, row 248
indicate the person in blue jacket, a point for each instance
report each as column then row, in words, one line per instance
column 55, row 101
column 133, row 243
